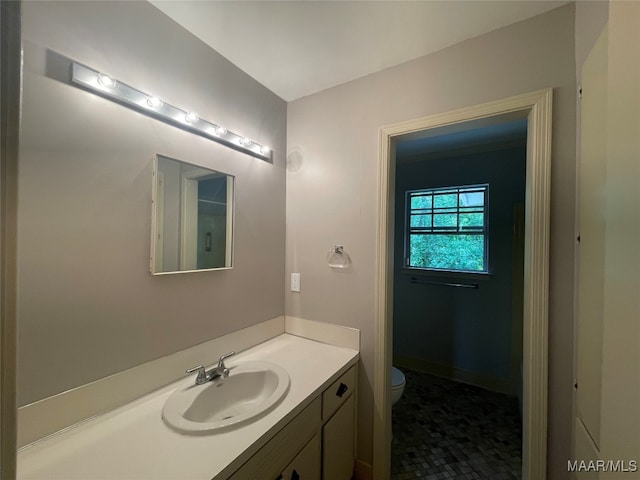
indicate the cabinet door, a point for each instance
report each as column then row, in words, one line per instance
column 338, row 444
column 306, row 465
column 267, row 462
column 591, row 249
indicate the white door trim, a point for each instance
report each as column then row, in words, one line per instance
column 190, row 177
column 189, row 223
column 231, row 192
column 537, row 106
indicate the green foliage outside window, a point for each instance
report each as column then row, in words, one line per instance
column 448, row 252
column 446, row 229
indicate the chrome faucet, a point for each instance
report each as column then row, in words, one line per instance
column 216, row 372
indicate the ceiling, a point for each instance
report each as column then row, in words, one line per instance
column 467, row 135
column 297, row 48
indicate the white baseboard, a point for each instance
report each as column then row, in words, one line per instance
column 495, row 384
column 47, row 416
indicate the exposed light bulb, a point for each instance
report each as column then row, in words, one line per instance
column 106, row 80
column 264, row 150
column 191, row 117
column 221, row 131
column 246, row 141
column 154, row 102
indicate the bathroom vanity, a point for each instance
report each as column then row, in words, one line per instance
column 323, row 434
column 308, row 435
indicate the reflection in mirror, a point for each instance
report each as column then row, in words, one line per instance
column 192, row 218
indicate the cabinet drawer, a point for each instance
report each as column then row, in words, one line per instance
column 271, row 459
column 338, row 392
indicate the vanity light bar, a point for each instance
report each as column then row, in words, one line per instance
column 109, row 87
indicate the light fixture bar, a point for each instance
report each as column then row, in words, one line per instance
column 153, row 106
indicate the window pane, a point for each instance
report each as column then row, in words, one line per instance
column 472, row 199
column 421, row 221
column 471, row 220
column 420, row 201
column 447, row 252
column 445, row 220
column 446, row 200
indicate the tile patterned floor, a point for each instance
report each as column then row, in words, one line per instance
column 444, row 429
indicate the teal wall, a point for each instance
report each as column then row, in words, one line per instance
column 462, row 328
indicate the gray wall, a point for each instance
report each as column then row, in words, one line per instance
column 462, row 328
column 332, row 180
column 88, row 306
column 590, row 19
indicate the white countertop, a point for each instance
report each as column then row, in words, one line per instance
column 133, row 442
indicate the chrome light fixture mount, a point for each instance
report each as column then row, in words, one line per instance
column 112, row 89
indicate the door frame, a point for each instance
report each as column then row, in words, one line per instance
column 189, row 221
column 10, row 111
column 537, row 107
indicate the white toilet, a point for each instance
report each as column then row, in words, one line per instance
column 397, row 385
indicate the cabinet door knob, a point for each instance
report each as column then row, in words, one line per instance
column 342, row 389
column 295, row 476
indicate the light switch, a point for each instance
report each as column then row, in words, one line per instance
column 295, row 282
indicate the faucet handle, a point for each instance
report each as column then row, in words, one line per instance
column 221, row 365
column 226, row 355
column 202, row 374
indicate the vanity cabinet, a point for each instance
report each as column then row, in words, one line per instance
column 306, row 465
column 338, row 444
column 318, row 443
column 338, row 434
column 270, row 461
column 292, row 441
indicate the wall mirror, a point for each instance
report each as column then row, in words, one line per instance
column 192, row 227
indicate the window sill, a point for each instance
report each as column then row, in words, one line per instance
column 422, row 272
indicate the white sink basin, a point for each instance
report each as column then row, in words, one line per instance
column 251, row 390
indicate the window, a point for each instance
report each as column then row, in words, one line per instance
column 447, row 228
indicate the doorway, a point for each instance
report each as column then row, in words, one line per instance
column 536, row 108
column 457, row 302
